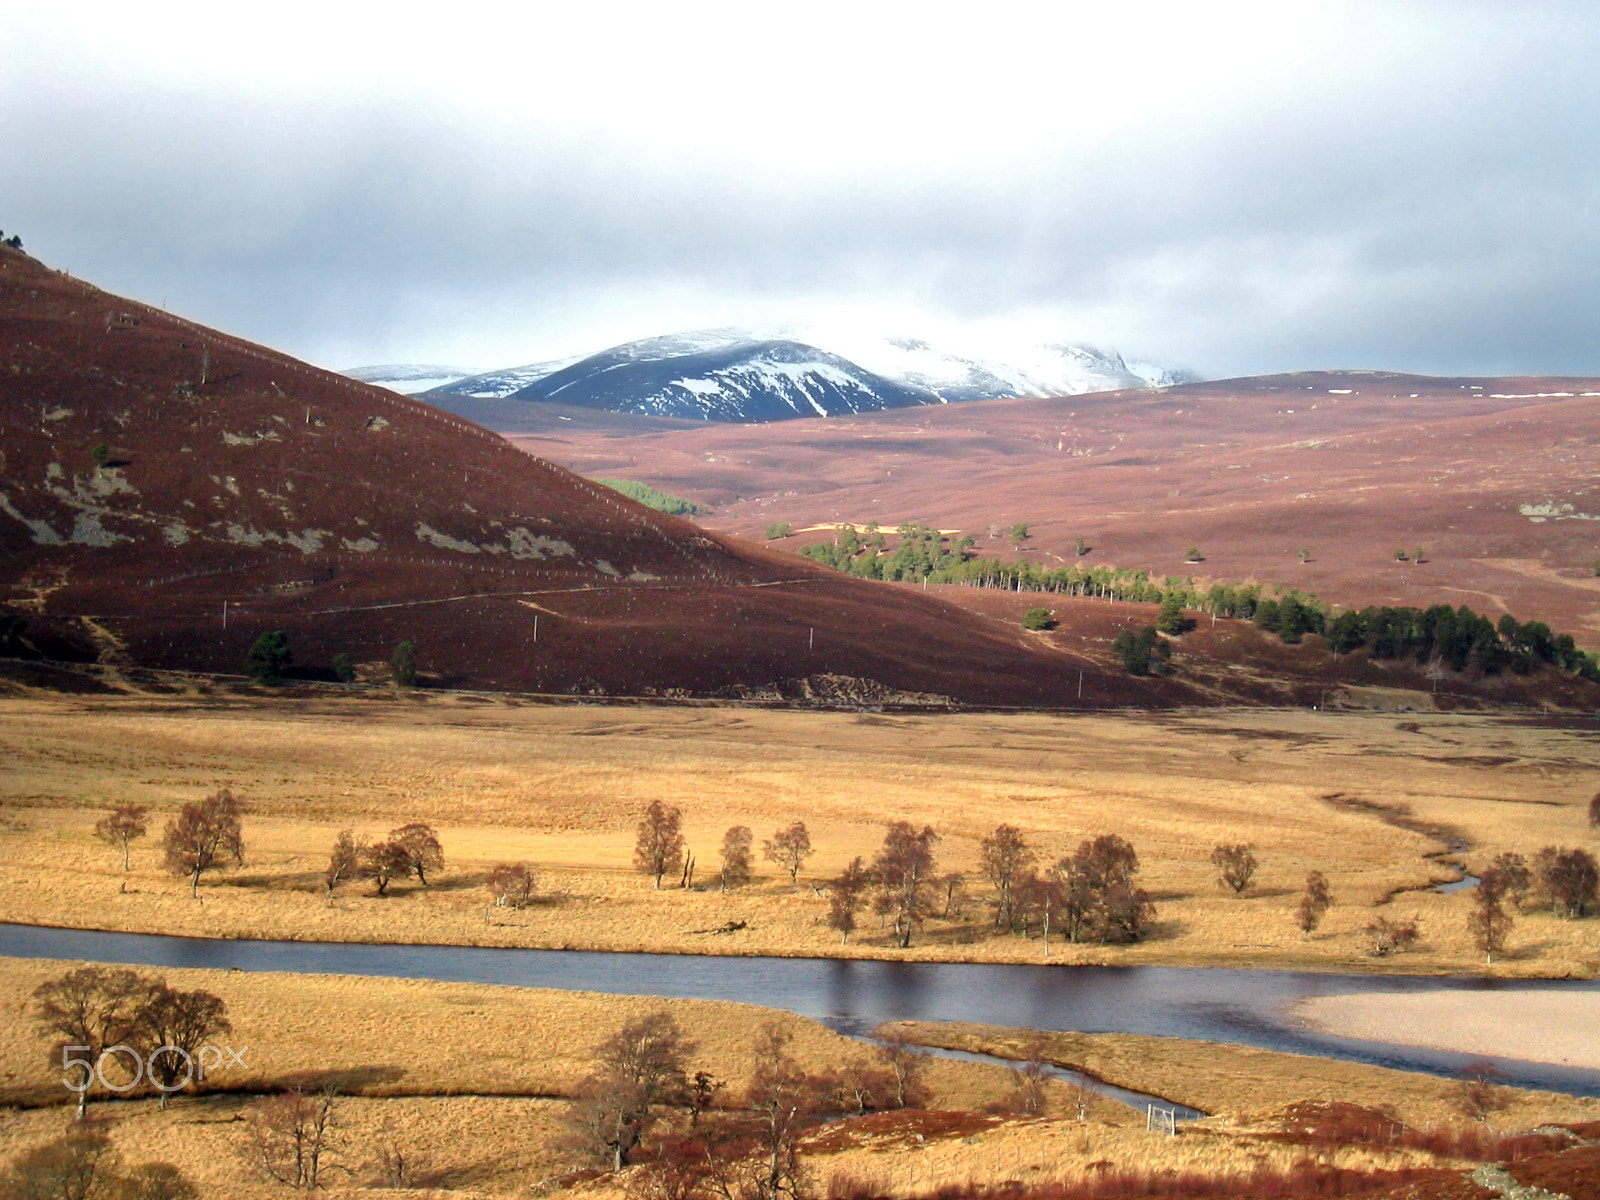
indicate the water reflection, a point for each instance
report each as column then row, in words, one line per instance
column 1216, row 1004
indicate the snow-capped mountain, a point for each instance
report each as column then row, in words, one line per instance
column 497, row 385
column 740, row 375
column 721, row 376
column 1055, row 369
column 408, row 378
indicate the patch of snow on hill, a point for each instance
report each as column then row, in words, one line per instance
column 408, row 378
column 961, row 369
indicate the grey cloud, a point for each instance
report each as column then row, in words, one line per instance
column 1425, row 222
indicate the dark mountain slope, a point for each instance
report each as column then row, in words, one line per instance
column 168, row 493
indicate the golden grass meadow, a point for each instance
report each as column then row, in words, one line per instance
column 475, row 1079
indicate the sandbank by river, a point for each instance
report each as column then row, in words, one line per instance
column 1524, row 1023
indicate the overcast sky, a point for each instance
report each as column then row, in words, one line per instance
column 1232, row 188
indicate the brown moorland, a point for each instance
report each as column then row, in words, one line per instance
column 1491, row 477
column 169, row 493
column 1369, row 798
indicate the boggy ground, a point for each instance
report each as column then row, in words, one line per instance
column 473, row 1084
column 1352, row 794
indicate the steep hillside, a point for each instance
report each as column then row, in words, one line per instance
column 168, row 494
column 1493, row 479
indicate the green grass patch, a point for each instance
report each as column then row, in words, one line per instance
column 650, row 497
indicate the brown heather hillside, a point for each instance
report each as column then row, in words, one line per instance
column 1494, row 478
column 230, row 475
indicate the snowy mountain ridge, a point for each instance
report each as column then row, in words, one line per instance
column 740, row 375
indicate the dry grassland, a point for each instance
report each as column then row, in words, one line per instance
column 1241, row 1082
column 472, row 1077
column 470, row 1082
column 562, row 788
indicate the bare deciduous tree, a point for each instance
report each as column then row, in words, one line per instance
column 903, row 872
column 1488, row 922
column 905, row 1063
column 789, row 848
column 954, row 886
column 1004, row 856
column 1314, row 903
column 205, row 835
column 1100, row 899
column 169, row 1029
column 737, row 855
column 294, row 1136
column 1030, row 1079
column 122, row 828
column 640, row 1068
column 384, row 862
column 1513, row 871
column 512, row 885
column 1236, row 866
column 784, row 1102
column 89, row 1009
column 1570, row 879
column 344, row 862
column 1481, row 1095
column 421, row 847
column 847, row 891
column 658, row 849
column 83, row 1165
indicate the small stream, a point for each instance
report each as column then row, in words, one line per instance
column 1246, row 1007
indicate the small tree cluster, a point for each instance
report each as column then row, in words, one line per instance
column 747, row 1145
column 91, row 1009
column 1142, row 653
column 1038, row 619
column 409, row 850
column 511, row 885
column 780, row 529
column 1099, row 899
column 1568, row 880
column 1385, row 937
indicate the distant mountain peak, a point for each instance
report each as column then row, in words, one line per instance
column 730, row 374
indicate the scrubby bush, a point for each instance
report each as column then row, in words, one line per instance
column 269, row 654
column 1038, row 618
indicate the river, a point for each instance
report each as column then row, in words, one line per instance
column 1248, row 1007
